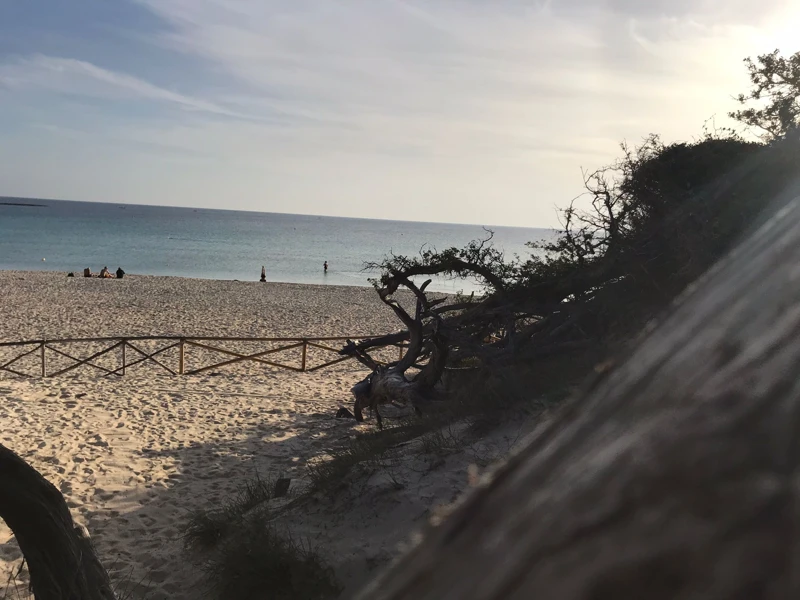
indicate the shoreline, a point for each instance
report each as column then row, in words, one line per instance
column 139, row 276
column 79, row 275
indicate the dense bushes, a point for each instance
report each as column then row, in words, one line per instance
column 657, row 220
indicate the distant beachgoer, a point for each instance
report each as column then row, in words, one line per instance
column 104, row 273
column 87, row 272
column 120, row 273
column 325, row 266
column 263, row 274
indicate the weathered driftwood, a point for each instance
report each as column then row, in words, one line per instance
column 673, row 476
column 60, row 557
column 389, row 383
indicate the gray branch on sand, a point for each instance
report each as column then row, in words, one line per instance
column 388, row 383
column 60, row 556
column 673, row 476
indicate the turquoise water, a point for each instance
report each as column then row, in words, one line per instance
column 221, row 244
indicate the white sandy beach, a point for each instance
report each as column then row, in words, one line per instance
column 134, row 455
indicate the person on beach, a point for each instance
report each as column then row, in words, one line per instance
column 120, row 273
column 263, row 275
column 325, row 267
column 87, row 272
column 104, row 273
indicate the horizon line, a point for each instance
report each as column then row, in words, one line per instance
column 490, row 227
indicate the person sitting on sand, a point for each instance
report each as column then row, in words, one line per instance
column 120, row 273
column 104, row 273
column 87, row 272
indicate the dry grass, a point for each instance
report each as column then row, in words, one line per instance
column 255, row 561
column 366, row 451
column 443, row 440
column 245, row 557
column 207, row 528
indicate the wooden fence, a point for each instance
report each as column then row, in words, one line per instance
column 116, row 355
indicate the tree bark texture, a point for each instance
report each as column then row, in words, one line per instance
column 673, row 476
column 61, row 559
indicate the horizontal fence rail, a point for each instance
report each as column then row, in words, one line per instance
column 175, row 355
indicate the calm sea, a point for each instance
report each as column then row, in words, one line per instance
column 222, row 244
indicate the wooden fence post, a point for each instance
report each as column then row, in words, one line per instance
column 121, row 366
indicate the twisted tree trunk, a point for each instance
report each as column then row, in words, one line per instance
column 389, row 383
column 60, row 557
column 673, row 477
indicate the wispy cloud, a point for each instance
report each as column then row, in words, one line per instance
column 438, row 109
column 446, row 73
column 78, row 77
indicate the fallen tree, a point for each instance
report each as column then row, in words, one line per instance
column 673, row 476
column 60, row 556
column 651, row 224
column 426, row 342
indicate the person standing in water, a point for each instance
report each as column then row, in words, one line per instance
column 325, row 267
column 263, row 274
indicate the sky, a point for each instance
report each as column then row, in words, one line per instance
column 461, row 111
